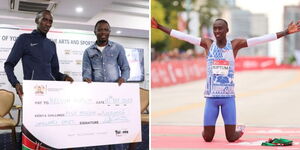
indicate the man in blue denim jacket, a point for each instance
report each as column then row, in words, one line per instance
column 105, row 61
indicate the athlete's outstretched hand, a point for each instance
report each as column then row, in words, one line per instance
column 293, row 27
column 154, row 23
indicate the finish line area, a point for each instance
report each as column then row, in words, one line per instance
column 267, row 102
column 189, row 137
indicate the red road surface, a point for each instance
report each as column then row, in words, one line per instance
column 189, row 137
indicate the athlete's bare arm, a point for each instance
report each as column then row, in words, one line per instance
column 203, row 42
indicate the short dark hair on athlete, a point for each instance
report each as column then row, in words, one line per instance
column 40, row 14
column 101, row 21
column 220, row 19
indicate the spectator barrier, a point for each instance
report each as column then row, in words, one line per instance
column 167, row 73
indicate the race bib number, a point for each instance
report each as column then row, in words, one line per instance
column 220, row 67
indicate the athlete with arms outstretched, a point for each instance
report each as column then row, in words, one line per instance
column 220, row 57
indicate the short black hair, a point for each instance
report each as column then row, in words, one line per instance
column 40, row 14
column 220, row 19
column 99, row 22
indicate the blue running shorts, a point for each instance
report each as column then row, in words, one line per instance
column 212, row 106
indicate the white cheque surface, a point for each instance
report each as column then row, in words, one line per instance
column 64, row 115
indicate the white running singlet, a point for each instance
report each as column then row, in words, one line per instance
column 220, row 71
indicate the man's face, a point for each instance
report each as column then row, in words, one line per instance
column 44, row 23
column 220, row 29
column 102, row 32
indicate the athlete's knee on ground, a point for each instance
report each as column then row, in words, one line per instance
column 234, row 136
column 208, row 137
column 231, row 138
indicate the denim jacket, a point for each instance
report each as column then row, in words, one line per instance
column 106, row 66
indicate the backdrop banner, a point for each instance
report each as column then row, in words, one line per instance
column 70, row 45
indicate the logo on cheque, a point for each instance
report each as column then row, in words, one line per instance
column 40, row 89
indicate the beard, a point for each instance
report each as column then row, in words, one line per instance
column 102, row 42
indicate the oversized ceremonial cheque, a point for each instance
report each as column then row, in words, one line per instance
column 79, row 114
